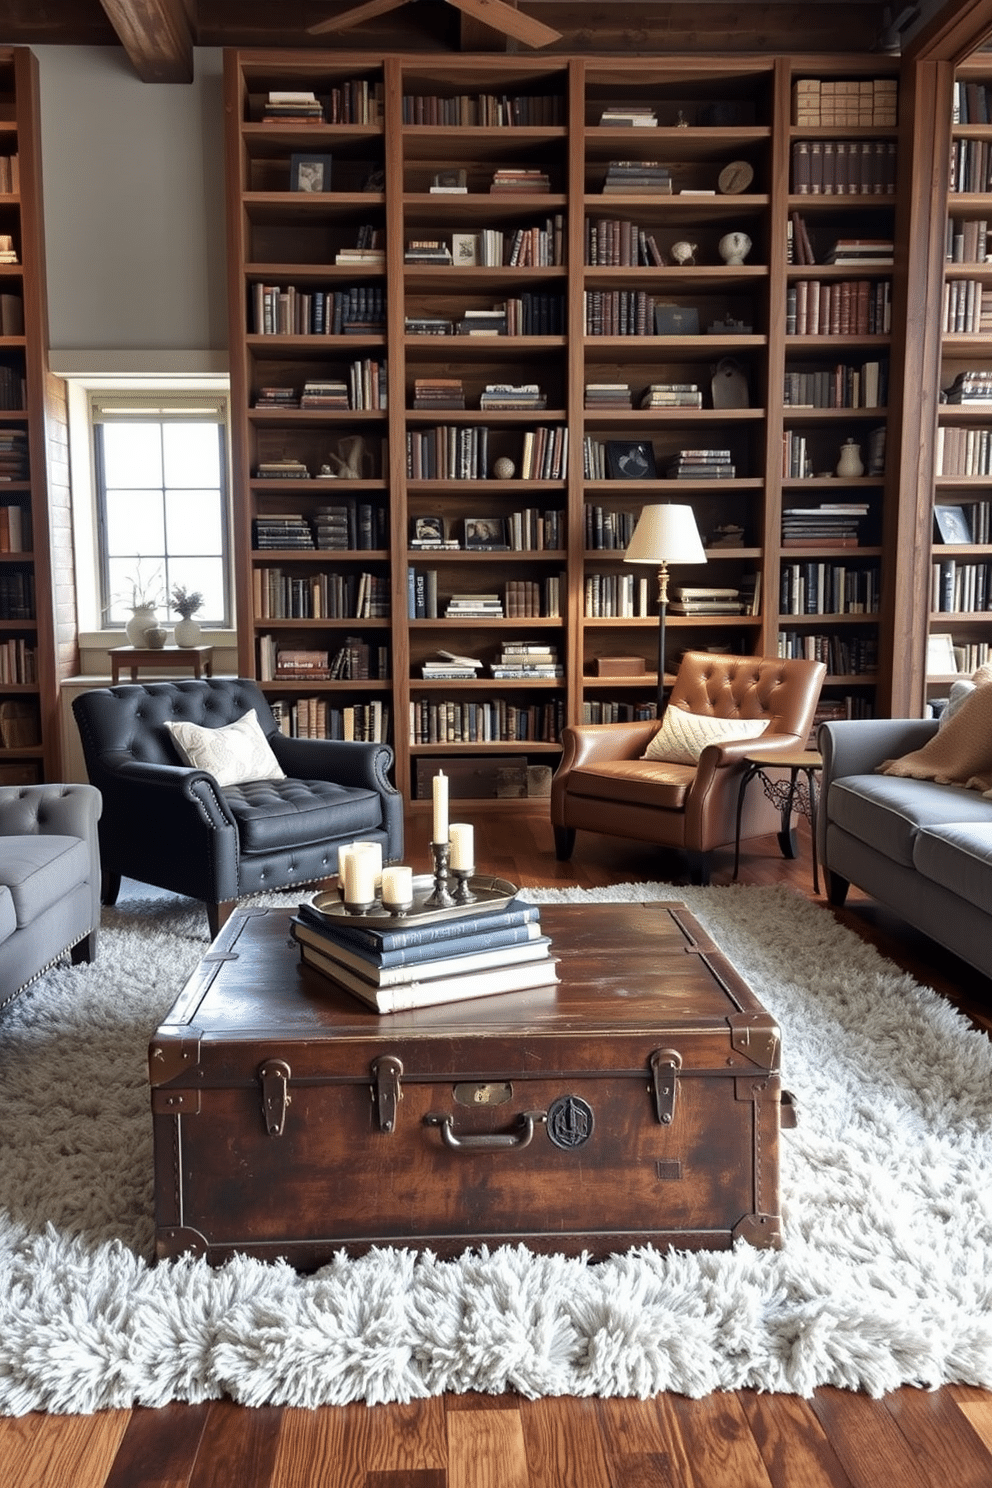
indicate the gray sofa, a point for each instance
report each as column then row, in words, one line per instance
column 923, row 849
column 49, row 879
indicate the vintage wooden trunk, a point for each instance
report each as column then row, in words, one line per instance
column 637, row 1101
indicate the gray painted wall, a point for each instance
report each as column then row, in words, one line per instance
column 134, row 204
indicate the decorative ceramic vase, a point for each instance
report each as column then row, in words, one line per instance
column 734, row 247
column 156, row 637
column 187, row 632
column 850, row 462
column 143, row 618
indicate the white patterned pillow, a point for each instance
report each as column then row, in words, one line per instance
column 683, row 736
column 236, row 752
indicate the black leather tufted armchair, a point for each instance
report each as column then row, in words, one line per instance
column 167, row 824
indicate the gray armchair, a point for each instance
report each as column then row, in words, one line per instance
column 170, row 824
column 49, row 879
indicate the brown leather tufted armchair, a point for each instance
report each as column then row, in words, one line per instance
column 603, row 784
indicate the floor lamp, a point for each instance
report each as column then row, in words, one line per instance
column 663, row 535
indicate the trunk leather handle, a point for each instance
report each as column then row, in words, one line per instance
column 486, row 1141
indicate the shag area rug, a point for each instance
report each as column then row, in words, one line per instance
column 885, row 1277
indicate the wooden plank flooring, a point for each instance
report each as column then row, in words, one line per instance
column 911, row 1439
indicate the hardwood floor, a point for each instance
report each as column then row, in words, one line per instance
column 911, row 1439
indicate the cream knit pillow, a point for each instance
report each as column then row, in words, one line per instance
column 683, row 736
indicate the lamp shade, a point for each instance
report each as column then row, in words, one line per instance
column 665, row 534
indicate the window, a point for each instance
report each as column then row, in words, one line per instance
column 160, row 468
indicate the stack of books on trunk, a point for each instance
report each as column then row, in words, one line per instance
column 446, row 960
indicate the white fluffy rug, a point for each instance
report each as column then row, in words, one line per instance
column 885, row 1276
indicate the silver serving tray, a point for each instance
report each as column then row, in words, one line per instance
column 490, row 893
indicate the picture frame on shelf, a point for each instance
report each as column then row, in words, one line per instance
column 453, row 180
column 428, row 529
column 486, row 534
column 952, row 524
column 464, row 250
column 310, row 173
column 630, row 459
column 676, row 320
column 941, row 660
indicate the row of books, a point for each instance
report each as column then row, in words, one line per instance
column 17, row 598
column 13, row 454
column 845, row 385
column 960, row 588
column 11, row 315
column 963, row 451
column 516, row 179
column 971, row 166
column 319, row 596
column 524, row 315
column 822, row 587
column 343, row 526
column 966, row 309
column 355, row 660
column 865, row 102
column 490, row 110
column 449, row 960
column 970, row 102
column 701, row 599
column 15, row 528
column 972, row 524
column 355, row 101
column 967, row 656
column 617, row 242
column 10, row 174
column 13, row 389
column 862, row 252
column 834, row 524
column 843, row 655
column 317, row 718
column 606, row 529
column 596, row 710
column 619, row 312
column 608, row 395
column 967, row 240
column 824, row 167
column 528, row 660
column 701, row 464
column 485, row 721
column 608, row 596
column 290, row 310
column 843, row 307
column 8, row 250
column 18, row 661
column 512, row 396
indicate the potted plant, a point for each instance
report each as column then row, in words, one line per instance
column 186, row 602
column 146, row 595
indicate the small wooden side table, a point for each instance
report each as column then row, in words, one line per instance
column 130, row 658
column 784, row 794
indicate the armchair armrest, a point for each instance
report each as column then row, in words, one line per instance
column 62, row 810
column 857, row 746
column 590, row 743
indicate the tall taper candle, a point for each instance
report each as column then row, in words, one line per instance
column 440, row 807
column 462, row 838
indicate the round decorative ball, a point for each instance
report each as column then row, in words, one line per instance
column 734, row 247
column 504, row 469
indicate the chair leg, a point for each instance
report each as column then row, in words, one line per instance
column 564, row 843
column 837, row 888
column 218, row 915
column 110, row 887
column 699, row 868
column 84, row 950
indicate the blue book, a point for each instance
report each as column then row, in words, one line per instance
column 456, row 945
column 517, row 912
column 444, row 958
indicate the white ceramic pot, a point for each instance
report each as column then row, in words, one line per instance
column 143, row 618
column 850, row 463
column 734, row 247
column 156, row 637
column 187, row 632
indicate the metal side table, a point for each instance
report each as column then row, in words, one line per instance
column 799, row 791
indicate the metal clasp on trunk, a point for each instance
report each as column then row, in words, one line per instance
column 388, row 1093
column 665, row 1065
column 274, row 1075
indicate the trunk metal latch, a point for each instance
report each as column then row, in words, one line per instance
column 665, row 1065
column 274, row 1075
column 388, row 1092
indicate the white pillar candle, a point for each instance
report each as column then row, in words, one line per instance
column 461, row 835
column 359, row 874
column 344, row 853
column 375, row 850
column 440, row 807
column 397, row 886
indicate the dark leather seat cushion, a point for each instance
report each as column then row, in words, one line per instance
column 275, row 814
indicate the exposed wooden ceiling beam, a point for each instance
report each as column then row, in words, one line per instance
column 156, row 36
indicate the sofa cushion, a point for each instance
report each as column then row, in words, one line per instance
column 8, row 919
column 958, row 855
column 286, row 813
column 38, row 871
column 888, row 811
column 635, row 782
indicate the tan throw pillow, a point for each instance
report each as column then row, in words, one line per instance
column 234, row 753
column 683, row 736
